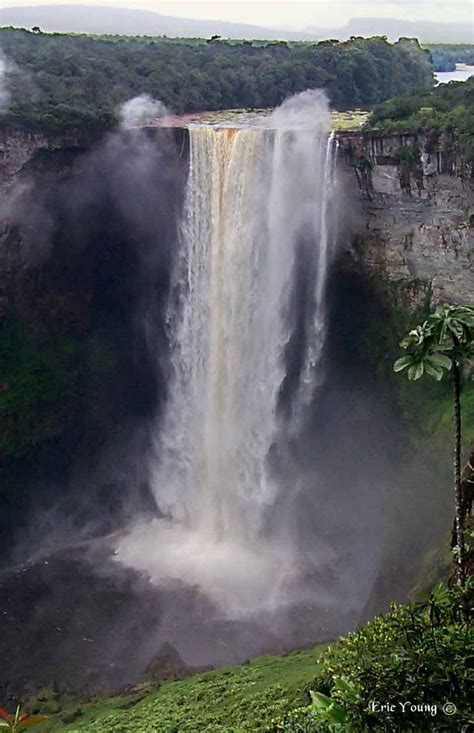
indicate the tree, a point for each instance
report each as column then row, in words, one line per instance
column 68, row 77
column 443, row 344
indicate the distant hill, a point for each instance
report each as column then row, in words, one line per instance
column 123, row 21
column 425, row 30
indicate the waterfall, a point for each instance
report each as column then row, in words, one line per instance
column 251, row 196
column 324, row 237
column 256, row 199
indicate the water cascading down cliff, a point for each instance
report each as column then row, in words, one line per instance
column 257, row 200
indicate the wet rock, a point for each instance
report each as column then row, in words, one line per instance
column 168, row 665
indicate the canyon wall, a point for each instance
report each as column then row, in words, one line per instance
column 18, row 148
column 411, row 198
column 415, row 222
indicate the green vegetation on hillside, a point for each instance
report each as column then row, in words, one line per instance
column 448, row 107
column 418, row 653
column 241, row 698
column 442, row 345
column 410, row 670
column 63, row 82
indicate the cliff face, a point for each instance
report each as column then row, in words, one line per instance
column 413, row 198
column 18, row 148
column 415, row 224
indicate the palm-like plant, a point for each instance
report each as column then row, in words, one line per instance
column 19, row 721
column 444, row 344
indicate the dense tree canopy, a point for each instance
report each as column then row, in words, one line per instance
column 448, row 107
column 62, row 81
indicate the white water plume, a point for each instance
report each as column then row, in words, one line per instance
column 140, row 111
column 255, row 199
column 7, row 69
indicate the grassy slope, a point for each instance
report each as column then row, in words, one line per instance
column 232, row 699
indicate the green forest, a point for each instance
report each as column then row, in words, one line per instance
column 448, row 107
column 63, row 82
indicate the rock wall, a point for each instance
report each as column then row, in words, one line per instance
column 415, row 222
column 18, row 148
column 412, row 195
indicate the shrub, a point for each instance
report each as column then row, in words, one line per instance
column 420, row 654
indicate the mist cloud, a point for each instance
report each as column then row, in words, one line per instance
column 5, row 67
column 25, row 206
column 308, row 110
column 141, row 110
column 15, row 83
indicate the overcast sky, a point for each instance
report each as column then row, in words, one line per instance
column 289, row 14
